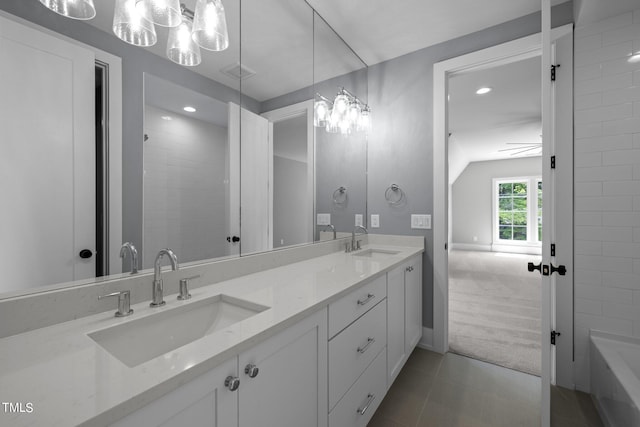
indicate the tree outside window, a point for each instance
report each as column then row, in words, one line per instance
column 518, row 210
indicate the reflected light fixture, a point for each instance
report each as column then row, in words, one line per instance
column 483, row 90
column 130, row 26
column 133, row 23
column 210, row 25
column 75, row 9
column 181, row 48
column 635, row 58
column 189, row 109
column 165, row 13
column 346, row 114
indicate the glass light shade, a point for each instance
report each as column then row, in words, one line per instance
column 320, row 113
column 165, row 13
column 341, row 103
column 364, row 122
column 130, row 26
column 76, row 9
column 181, row 48
column 210, row 25
column 344, row 126
column 332, row 121
column 353, row 115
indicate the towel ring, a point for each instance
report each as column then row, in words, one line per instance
column 394, row 195
column 340, row 196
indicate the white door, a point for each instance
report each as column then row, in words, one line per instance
column 47, row 166
column 250, row 149
column 557, row 199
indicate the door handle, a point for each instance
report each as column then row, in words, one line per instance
column 531, row 266
column 233, row 239
column 86, row 253
column 561, row 269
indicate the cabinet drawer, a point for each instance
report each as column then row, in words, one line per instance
column 352, row 350
column 365, row 396
column 350, row 307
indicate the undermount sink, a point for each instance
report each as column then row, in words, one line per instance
column 143, row 339
column 374, row 253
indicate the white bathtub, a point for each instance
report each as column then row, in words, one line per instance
column 615, row 378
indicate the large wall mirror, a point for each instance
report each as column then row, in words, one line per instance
column 246, row 172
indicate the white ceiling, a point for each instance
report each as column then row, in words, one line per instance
column 379, row 30
column 508, row 118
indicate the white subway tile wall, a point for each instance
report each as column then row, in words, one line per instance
column 607, row 182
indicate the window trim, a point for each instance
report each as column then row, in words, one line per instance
column 532, row 211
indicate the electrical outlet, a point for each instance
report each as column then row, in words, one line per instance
column 375, row 221
column 359, row 220
column 323, row 219
column 422, row 222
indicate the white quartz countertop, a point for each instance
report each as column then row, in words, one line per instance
column 71, row 380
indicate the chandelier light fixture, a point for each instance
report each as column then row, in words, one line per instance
column 346, row 114
column 75, row 9
column 134, row 22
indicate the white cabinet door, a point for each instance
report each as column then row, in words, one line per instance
column 202, row 402
column 396, row 350
column 413, row 303
column 290, row 388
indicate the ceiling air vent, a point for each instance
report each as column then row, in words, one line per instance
column 238, row 71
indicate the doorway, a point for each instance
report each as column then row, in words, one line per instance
column 495, row 228
column 556, row 289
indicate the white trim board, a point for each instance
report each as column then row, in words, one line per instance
column 426, row 340
column 470, row 247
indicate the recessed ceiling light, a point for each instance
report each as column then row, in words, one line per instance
column 167, row 118
column 483, row 90
column 634, row 58
column 189, row 109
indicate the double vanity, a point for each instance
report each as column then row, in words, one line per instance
column 298, row 342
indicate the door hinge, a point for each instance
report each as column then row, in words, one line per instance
column 553, row 249
column 553, row 162
column 553, row 72
column 554, row 334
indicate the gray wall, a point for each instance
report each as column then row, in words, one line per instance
column 292, row 211
column 472, row 196
column 135, row 62
column 401, row 144
column 184, row 187
column 289, row 193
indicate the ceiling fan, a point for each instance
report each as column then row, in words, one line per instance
column 524, row 147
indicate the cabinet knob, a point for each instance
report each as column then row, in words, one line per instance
column 232, row 383
column 251, row 370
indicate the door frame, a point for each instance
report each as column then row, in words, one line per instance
column 300, row 109
column 512, row 51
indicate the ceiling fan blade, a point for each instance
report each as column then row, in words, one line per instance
column 525, row 150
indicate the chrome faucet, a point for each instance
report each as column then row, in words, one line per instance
column 353, row 236
column 133, row 252
column 158, row 287
column 332, row 228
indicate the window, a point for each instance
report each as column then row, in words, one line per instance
column 518, row 210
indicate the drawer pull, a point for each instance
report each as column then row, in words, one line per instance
column 366, row 300
column 370, row 398
column 370, row 341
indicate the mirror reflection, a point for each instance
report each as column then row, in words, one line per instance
column 105, row 153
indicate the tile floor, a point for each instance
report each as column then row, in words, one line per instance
column 452, row 390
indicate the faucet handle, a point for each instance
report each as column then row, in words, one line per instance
column 184, row 287
column 124, row 302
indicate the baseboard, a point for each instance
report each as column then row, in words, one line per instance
column 516, row 249
column 426, row 341
column 470, row 247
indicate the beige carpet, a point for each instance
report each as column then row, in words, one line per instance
column 494, row 309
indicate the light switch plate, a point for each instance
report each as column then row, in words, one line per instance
column 422, row 222
column 359, row 220
column 375, row 221
column 323, row 219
